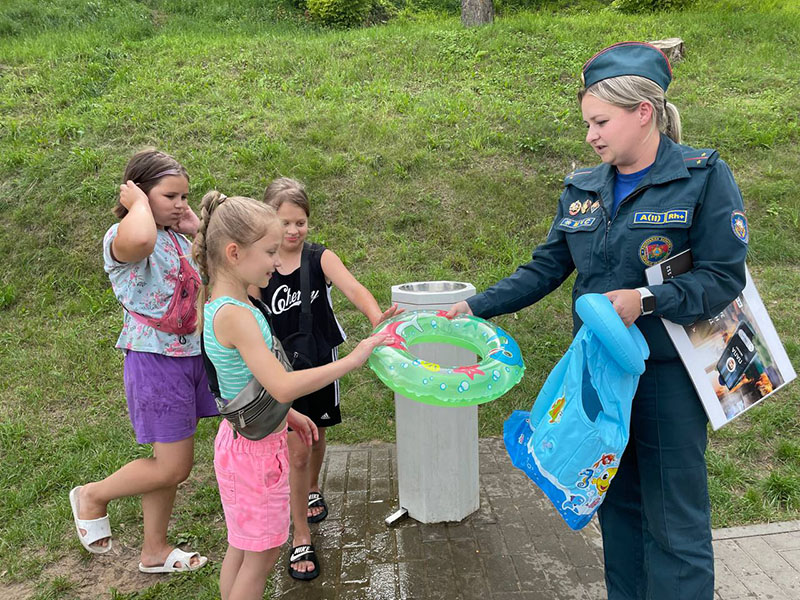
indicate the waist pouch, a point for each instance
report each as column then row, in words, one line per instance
column 571, row 441
column 301, row 350
column 181, row 315
column 252, row 413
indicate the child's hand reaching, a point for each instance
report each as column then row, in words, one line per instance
column 130, row 194
column 390, row 312
column 303, row 426
column 367, row 345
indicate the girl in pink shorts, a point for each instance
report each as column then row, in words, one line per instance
column 237, row 247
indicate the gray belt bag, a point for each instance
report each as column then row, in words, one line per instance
column 253, row 413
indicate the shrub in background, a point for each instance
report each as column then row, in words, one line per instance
column 339, row 13
column 381, row 11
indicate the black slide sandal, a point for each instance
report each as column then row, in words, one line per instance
column 299, row 554
column 315, row 499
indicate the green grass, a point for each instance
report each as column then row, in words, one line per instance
column 430, row 152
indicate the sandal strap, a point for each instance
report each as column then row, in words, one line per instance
column 298, row 552
column 96, row 529
column 182, row 557
column 315, row 499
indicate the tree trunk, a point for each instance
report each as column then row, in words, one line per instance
column 476, row 12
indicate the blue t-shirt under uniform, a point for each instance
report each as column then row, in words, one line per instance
column 624, row 184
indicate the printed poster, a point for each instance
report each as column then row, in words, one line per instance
column 734, row 359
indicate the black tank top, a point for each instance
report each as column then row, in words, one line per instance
column 282, row 296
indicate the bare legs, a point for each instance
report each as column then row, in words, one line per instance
column 244, row 573
column 156, row 481
column 306, row 464
column 315, row 466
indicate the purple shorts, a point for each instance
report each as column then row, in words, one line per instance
column 167, row 396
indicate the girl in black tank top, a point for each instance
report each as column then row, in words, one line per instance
column 282, row 295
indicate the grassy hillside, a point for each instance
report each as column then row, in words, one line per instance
column 430, row 152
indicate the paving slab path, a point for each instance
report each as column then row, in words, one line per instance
column 515, row 547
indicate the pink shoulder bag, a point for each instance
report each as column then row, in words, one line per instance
column 181, row 315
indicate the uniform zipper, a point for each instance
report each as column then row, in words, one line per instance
column 611, row 218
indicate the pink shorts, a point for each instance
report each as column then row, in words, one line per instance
column 253, row 478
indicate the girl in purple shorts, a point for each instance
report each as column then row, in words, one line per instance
column 236, row 247
column 147, row 260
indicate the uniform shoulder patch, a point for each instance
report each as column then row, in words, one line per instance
column 739, row 226
column 695, row 158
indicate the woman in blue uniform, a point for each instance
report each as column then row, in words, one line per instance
column 651, row 198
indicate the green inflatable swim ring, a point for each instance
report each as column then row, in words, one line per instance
column 500, row 368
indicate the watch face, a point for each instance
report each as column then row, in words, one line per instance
column 738, row 354
column 648, row 304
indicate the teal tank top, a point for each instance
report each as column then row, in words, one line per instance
column 232, row 372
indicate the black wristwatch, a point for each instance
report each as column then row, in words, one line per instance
column 647, row 302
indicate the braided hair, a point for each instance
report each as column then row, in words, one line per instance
column 237, row 219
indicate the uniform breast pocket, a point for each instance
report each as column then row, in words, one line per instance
column 657, row 234
column 584, row 237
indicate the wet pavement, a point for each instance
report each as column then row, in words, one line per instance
column 515, row 547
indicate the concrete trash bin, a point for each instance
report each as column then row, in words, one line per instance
column 437, row 446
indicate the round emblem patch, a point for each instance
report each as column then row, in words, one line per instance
column 574, row 208
column 655, row 249
column 739, row 226
column 730, row 364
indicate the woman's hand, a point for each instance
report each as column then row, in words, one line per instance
column 367, row 345
column 627, row 303
column 302, row 426
column 189, row 223
column 390, row 312
column 457, row 308
column 130, row 194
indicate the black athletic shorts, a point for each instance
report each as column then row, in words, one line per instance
column 322, row 406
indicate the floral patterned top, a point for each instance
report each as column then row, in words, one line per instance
column 146, row 287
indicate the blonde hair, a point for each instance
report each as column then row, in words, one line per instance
column 285, row 189
column 223, row 220
column 629, row 91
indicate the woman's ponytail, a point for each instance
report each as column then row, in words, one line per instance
column 672, row 122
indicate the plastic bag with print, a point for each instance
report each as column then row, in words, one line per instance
column 571, row 441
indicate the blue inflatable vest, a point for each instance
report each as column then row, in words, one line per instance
column 571, row 441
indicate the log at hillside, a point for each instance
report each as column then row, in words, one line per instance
column 672, row 47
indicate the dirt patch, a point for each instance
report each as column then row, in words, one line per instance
column 16, row 591
column 92, row 576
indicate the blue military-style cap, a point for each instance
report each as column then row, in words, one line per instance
column 628, row 58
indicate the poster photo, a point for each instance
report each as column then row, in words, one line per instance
column 734, row 359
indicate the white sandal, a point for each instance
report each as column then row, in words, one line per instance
column 96, row 529
column 184, row 559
